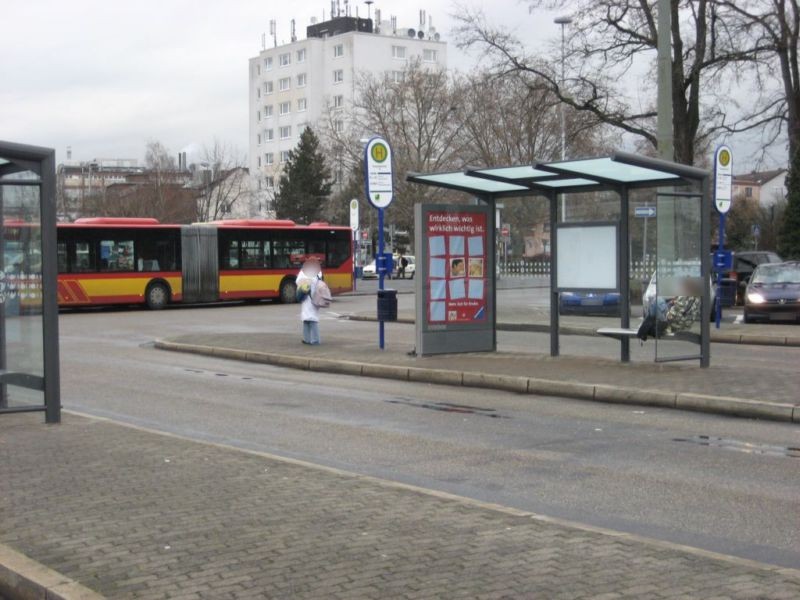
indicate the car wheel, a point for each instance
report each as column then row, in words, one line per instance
column 288, row 291
column 748, row 318
column 157, row 296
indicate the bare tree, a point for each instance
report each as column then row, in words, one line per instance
column 224, row 186
column 514, row 119
column 608, row 38
column 774, row 25
column 417, row 112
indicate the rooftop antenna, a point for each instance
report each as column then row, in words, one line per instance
column 263, row 41
column 394, row 25
column 333, row 9
column 273, row 32
column 369, row 4
column 377, row 20
column 422, row 19
column 69, row 152
column 294, row 35
column 346, row 8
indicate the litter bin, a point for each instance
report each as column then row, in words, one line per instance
column 728, row 289
column 387, row 305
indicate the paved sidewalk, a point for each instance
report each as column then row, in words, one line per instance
column 582, row 377
column 135, row 514
column 535, row 318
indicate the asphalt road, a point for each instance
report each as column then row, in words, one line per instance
column 613, row 466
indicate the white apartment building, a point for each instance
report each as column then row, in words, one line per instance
column 292, row 85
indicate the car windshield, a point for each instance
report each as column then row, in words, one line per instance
column 777, row 274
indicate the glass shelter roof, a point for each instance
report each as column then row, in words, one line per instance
column 621, row 169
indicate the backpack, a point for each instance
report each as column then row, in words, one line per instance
column 683, row 312
column 321, row 296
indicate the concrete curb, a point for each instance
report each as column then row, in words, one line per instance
column 745, row 339
column 723, row 405
column 22, row 578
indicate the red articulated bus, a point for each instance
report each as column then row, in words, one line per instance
column 132, row 261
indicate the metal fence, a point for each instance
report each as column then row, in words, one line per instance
column 524, row 268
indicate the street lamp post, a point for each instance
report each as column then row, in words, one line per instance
column 563, row 21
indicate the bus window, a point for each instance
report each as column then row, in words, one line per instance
column 84, row 258
column 288, row 254
column 156, row 255
column 317, row 248
column 338, row 252
column 253, row 256
column 116, row 255
column 62, row 257
column 230, row 255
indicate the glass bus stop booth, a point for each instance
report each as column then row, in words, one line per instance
column 29, row 368
column 683, row 223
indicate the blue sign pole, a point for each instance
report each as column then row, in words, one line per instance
column 380, row 192
column 723, row 179
column 721, row 249
column 381, row 338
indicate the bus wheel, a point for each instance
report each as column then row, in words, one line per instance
column 157, row 296
column 288, row 291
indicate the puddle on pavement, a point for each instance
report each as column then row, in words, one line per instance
column 216, row 374
column 449, row 407
column 741, row 446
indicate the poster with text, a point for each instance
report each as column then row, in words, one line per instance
column 457, row 245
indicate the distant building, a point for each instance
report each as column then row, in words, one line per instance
column 293, row 85
column 765, row 187
column 78, row 181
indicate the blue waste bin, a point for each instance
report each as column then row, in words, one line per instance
column 387, row 305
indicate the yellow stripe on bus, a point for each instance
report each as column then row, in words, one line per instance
column 133, row 286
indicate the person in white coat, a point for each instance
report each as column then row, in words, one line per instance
column 309, row 313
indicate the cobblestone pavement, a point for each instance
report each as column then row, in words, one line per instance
column 134, row 514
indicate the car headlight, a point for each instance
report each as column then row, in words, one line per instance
column 755, row 298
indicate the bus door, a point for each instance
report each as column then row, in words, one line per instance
column 200, row 263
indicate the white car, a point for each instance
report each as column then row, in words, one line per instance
column 370, row 271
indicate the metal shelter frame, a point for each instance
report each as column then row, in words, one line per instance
column 620, row 172
column 16, row 159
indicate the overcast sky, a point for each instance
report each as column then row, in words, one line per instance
column 106, row 77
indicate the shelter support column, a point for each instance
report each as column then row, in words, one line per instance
column 554, row 334
column 52, row 390
column 705, row 273
column 624, row 275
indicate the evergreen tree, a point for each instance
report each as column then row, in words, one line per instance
column 789, row 247
column 305, row 185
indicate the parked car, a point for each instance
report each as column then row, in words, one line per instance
column 589, row 303
column 370, row 271
column 410, row 267
column 773, row 293
column 744, row 263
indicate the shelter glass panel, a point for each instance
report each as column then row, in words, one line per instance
column 675, row 293
column 21, row 309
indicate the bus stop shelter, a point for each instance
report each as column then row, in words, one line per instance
column 685, row 218
column 29, row 369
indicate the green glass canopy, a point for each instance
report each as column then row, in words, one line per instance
column 621, row 169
